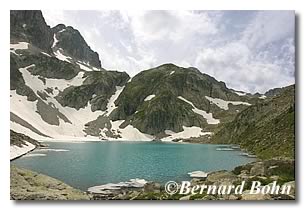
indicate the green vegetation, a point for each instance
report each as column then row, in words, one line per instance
column 165, row 111
column 28, row 185
column 265, row 129
column 97, row 88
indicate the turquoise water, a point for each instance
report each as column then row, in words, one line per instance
column 95, row 163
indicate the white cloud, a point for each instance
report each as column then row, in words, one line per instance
column 251, row 51
column 53, row 17
column 169, row 25
column 244, row 70
column 268, row 26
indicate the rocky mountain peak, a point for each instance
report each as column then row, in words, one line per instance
column 30, row 26
column 74, row 45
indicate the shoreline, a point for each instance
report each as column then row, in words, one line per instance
column 78, row 140
column 141, row 189
column 21, row 150
column 129, row 193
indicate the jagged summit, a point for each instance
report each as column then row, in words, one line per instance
column 74, row 45
column 30, row 26
column 60, row 91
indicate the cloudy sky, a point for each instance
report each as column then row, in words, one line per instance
column 249, row 50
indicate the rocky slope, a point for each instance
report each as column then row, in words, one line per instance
column 74, row 45
column 29, row 26
column 21, row 144
column 266, row 172
column 28, row 185
column 266, row 128
column 60, row 91
column 57, row 83
column 173, row 101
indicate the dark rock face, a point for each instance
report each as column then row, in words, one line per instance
column 19, row 139
column 50, row 114
column 273, row 92
column 17, row 82
column 16, row 119
column 166, row 111
column 97, row 88
column 30, row 26
column 72, row 42
column 49, row 67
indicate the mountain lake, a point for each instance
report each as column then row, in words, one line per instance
column 86, row 164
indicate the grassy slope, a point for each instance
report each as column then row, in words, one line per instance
column 266, row 128
column 28, row 185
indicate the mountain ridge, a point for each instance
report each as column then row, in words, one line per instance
column 59, row 91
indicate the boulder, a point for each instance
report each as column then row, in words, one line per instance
column 221, row 176
column 292, row 184
column 152, row 187
column 28, row 185
column 258, row 169
column 185, row 198
column 253, row 197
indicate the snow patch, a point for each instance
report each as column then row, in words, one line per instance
column 262, row 97
column 225, row 104
column 111, row 105
column 187, row 133
column 128, row 133
column 198, row 174
column 73, row 131
column 171, row 72
column 60, row 84
column 62, row 30
column 54, row 150
column 148, row 98
column 240, row 93
column 18, row 46
column 21, row 129
column 34, row 155
column 84, row 67
column 104, row 189
column 208, row 116
column 46, row 54
column 61, row 56
column 16, row 151
column 55, row 40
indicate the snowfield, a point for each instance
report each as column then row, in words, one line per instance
column 127, row 133
column 106, row 188
column 262, row 97
column 72, row 122
column 60, row 56
column 84, row 67
column 208, row 116
column 16, row 151
column 187, row 132
column 225, row 104
column 19, row 46
column 198, row 174
column 240, row 93
column 111, row 105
